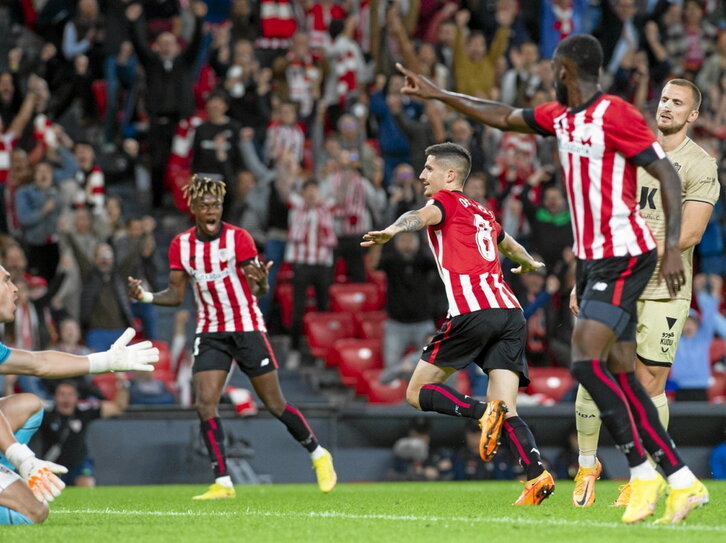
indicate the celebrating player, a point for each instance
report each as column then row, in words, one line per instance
column 221, row 261
column 602, row 140
column 485, row 324
column 660, row 318
column 23, row 499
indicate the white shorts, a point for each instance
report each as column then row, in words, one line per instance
column 7, row 477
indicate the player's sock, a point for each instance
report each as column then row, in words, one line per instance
column 10, row 516
column 587, row 421
column 448, row 401
column 683, row 478
column 613, row 406
column 522, row 444
column 643, row 472
column 213, row 436
column 317, row 453
column 225, row 480
column 24, row 434
column 298, row 427
column 656, row 440
column 661, row 404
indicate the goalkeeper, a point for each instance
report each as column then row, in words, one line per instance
column 24, row 498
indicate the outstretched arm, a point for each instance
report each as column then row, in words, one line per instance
column 495, row 114
column 173, row 295
column 510, row 248
column 411, row 221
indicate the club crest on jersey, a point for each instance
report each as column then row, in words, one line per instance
column 223, row 254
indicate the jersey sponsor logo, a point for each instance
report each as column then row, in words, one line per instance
column 223, row 254
column 583, row 148
column 671, row 321
column 647, row 196
column 600, row 286
column 212, row 276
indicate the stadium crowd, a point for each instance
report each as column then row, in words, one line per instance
column 108, row 107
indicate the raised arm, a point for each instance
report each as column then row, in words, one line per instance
column 411, row 221
column 489, row 112
column 671, row 266
column 172, row 296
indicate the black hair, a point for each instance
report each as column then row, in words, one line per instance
column 586, row 52
column 453, row 152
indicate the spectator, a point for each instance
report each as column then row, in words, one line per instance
column 717, row 461
column 692, row 366
column 215, row 151
column 409, row 304
column 404, row 191
column 520, row 83
column 39, row 206
column 64, row 429
column 69, row 341
column 469, row 467
column 310, row 245
column 169, row 75
column 559, row 19
column 284, row 134
column 89, row 184
column 689, row 42
column 422, row 133
column 413, row 459
column 146, row 389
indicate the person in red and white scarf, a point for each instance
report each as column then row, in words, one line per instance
column 91, row 182
column 299, row 75
column 348, row 68
column 319, row 16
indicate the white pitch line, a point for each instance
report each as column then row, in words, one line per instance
column 413, row 518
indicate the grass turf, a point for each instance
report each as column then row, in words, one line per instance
column 382, row 512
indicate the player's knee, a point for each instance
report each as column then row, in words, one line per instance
column 205, row 409
column 276, row 406
column 412, row 393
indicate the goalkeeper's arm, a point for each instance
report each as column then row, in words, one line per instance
column 57, row 365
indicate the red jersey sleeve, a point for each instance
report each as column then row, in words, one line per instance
column 445, row 200
column 542, row 118
column 628, row 134
column 244, row 246
column 175, row 254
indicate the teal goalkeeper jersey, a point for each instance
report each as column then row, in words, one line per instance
column 4, row 352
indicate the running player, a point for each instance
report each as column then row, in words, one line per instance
column 660, row 318
column 221, row 261
column 24, row 497
column 485, row 324
column 602, row 140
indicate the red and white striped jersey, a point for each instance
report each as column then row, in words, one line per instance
column 464, row 244
column 91, row 190
column 601, row 144
column 311, row 238
column 225, row 302
column 318, row 19
column 7, row 145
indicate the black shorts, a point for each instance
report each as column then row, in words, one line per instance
column 608, row 290
column 491, row 338
column 251, row 350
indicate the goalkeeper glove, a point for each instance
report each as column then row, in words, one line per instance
column 39, row 474
column 124, row 357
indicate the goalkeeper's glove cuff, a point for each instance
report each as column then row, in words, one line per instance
column 99, row 362
column 17, row 453
column 146, row 297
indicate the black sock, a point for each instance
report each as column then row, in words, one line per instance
column 298, row 427
column 614, row 410
column 213, row 436
column 522, row 444
column 446, row 400
column 655, row 438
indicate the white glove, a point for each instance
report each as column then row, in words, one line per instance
column 39, row 474
column 120, row 357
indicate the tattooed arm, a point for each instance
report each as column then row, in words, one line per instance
column 411, row 221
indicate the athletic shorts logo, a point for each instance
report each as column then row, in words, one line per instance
column 600, row 286
column 264, row 362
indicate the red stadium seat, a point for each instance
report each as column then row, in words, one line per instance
column 717, row 387
column 370, row 325
column 353, row 357
column 718, row 349
column 324, row 328
column 285, row 297
column 354, row 297
column 552, row 382
column 106, row 383
column 378, row 278
column 378, row 393
column 98, row 89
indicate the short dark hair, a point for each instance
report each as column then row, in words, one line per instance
column 694, row 90
column 455, row 153
column 310, row 182
column 586, row 52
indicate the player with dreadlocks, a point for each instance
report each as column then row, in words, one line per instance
column 226, row 275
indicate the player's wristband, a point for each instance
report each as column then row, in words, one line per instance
column 146, row 297
column 17, row 453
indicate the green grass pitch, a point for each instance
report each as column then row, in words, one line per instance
column 365, row 512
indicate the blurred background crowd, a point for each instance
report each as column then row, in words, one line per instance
column 108, row 106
